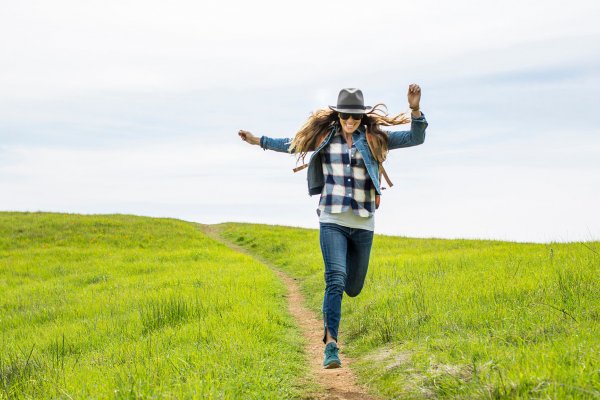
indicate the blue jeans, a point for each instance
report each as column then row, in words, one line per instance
column 346, row 254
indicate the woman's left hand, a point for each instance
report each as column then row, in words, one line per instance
column 414, row 96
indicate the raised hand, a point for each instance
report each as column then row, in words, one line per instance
column 414, row 96
column 248, row 137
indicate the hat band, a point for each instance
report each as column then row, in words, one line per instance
column 352, row 106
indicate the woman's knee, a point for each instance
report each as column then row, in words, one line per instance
column 353, row 291
column 335, row 278
column 335, row 286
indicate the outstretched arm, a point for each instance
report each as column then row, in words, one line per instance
column 416, row 135
column 267, row 143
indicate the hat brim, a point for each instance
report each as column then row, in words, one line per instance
column 352, row 110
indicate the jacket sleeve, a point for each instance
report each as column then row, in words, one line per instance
column 281, row 145
column 414, row 137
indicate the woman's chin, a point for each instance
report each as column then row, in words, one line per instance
column 349, row 130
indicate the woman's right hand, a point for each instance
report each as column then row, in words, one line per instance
column 248, row 137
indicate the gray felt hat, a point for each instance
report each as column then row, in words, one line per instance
column 351, row 100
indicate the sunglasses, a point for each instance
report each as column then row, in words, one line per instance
column 345, row 116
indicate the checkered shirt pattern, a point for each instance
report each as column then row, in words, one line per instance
column 347, row 182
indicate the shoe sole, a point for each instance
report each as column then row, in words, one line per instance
column 333, row 364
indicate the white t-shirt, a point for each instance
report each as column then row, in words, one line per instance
column 349, row 219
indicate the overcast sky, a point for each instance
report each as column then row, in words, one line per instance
column 134, row 107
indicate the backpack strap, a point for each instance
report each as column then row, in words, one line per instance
column 385, row 175
column 300, row 168
column 319, row 142
column 381, row 172
column 381, row 168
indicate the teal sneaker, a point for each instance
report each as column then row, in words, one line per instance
column 332, row 360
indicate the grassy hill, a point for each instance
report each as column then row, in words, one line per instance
column 129, row 307
column 132, row 307
column 459, row 318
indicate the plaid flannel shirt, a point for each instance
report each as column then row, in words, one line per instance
column 347, row 183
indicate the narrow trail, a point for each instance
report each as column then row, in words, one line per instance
column 339, row 383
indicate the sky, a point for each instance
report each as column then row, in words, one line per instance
column 134, row 107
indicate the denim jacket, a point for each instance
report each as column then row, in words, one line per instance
column 396, row 140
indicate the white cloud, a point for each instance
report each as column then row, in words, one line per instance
column 67, row 46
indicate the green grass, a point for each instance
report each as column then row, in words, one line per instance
column 130, row 307
column 459, row 318
column 119, row 306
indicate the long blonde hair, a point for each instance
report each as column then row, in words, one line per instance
column 318, row 125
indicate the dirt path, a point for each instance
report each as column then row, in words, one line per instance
column 339, row 383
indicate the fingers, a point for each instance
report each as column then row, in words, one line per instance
column 244, row 135
column 248, row 137
column 414, row 88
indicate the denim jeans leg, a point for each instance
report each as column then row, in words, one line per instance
column 334, row 244
column 357, row 260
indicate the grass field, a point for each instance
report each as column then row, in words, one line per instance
column 459, row 318
column 130, row 307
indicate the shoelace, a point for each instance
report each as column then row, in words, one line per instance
column 331, row 350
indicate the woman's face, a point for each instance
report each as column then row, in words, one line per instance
column 349, row 122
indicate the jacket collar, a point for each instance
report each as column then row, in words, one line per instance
column 360, row 131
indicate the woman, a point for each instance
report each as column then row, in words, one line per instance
column 349, row 147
